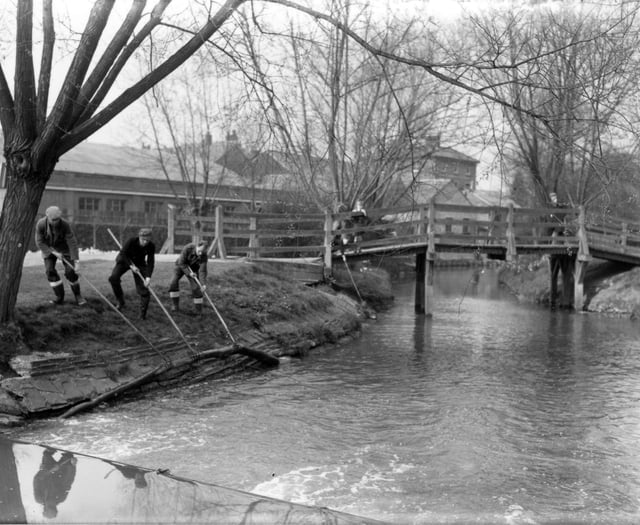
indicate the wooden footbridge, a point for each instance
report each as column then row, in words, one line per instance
column 567, row 235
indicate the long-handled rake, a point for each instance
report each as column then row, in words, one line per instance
column 113, row 307
column 263, row 357
column 137, row 271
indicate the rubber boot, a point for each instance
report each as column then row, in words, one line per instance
column 198, row 308
column 175, row 304
column 59, row 291
column 144, row 305
column 75, row 288
column 120, row 302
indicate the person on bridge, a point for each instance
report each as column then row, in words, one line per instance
column 192, row 262
column 359, row 218
column 137, row 255
column 56, row 240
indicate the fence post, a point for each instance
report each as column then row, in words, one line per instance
column 217, row 246
column 253, row 238
column 169, row 244
column 623, row 237
column 328, row 237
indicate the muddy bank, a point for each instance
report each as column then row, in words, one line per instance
column 65, row 357
column 610, row 288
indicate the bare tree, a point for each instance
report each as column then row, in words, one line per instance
column 586, row 68
column 351, row 124
column 38, row 132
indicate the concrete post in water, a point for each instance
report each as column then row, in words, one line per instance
column 328, row 237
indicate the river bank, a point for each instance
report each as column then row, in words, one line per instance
column 610, row 288
column 56, row 357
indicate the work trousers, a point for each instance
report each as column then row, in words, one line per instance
column 53, row 276
column 174, row 285
column 115, row 279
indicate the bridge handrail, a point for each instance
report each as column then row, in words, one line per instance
column 464, row 226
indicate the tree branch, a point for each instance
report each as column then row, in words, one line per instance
column 117, row 44
column 132, row 94
column 112, row 75
column 7, row 114
column 58, row 120
column 24, row 86
column 48, row 41
column 415, row 62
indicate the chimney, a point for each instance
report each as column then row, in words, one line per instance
column 232, row 138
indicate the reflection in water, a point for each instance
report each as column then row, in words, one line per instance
column 69, row 487
column 134, row 473
column 11, row 508
column 53, row 481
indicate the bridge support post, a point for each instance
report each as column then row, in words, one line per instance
column 328, row 236
column 424, row 294
column 565, row 264
column 582, row 261
column 421, row 267
column 578, row 284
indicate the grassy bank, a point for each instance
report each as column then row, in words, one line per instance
column 246, row 298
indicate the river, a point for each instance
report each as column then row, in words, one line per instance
column 490, row 411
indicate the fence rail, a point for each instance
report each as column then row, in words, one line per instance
column 501, row 231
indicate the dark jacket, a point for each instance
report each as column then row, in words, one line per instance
column 144, row 257
column 59, row 237
column 189, row 261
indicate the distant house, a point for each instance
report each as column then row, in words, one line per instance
column 440, row 162
column 114, row 184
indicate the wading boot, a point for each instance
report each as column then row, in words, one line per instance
column 198, row 308
column 175, row 301
column 58, row 289
column 119, row 303
column 75, row 288
column 144, row 305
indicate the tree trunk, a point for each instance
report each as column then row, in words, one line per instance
column 17, row 223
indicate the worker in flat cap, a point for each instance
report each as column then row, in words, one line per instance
column 138, row 255
column 56, row 240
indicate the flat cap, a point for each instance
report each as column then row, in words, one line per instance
column 144, row 232
column 53, row 212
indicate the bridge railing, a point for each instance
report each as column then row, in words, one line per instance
column 450, row 226
column 614, row 234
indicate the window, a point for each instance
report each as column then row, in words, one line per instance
column 88, row 204
column 448, row 225
column 116, row 205
column 153, row 207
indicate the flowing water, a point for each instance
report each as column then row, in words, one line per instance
column 490, row 411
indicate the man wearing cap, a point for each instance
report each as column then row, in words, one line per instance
column 56, row 240
column 137, row 255
column 192, row 262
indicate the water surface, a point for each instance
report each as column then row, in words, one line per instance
column 490, row 411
